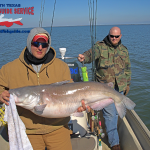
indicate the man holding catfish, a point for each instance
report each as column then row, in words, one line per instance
column 38, row 65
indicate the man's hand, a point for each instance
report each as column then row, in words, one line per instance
column 81, row 58
column 4, row 97
column 83, row 107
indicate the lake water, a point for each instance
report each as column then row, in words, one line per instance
column 77, row 39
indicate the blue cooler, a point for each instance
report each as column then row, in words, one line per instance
column 74, row 70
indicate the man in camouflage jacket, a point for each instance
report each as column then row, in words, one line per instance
column 112, row 65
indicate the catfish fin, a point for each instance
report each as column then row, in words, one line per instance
column 125, row 103
column 61, row 83
column 99, row 105
column 121, row 109
column 40, row 107
column 128, row 103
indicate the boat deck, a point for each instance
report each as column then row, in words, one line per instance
column 85, row 143
column 133, row 135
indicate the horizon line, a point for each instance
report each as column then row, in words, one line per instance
column 81, row 25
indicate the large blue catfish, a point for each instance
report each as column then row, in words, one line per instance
column 63, row 99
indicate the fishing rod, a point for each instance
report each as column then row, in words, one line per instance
column 92, row 19
column 95, row 120
column 41, row 15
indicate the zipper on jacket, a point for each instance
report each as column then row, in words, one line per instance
column 38, row 78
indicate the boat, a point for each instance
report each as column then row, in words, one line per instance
column 88, row 132
column 133, row 133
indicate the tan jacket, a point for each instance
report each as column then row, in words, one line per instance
column 18, row 73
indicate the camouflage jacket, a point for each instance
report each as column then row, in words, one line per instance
column 112, row 63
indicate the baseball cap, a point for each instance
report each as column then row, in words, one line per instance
column 41, row 35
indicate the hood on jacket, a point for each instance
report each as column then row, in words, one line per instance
column 34, row 32
column 107, row 42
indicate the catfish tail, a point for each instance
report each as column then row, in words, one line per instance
column 126, row 103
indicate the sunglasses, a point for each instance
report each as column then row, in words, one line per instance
column 37, row 44
column 116, row 36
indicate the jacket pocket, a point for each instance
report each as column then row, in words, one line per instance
column 103, row 62
column 122, row 61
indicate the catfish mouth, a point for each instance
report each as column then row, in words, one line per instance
column 28, row 103
column 15, row 98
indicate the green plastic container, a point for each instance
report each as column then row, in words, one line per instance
column 84, row 74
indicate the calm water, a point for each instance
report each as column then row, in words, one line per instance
column 77, row 40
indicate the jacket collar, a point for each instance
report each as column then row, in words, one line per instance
column 51, row 58
column 107, row 42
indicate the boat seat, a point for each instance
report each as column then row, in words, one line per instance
column 83, row 143
column 4, row 143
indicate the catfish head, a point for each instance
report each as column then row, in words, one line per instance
column 25, row 97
